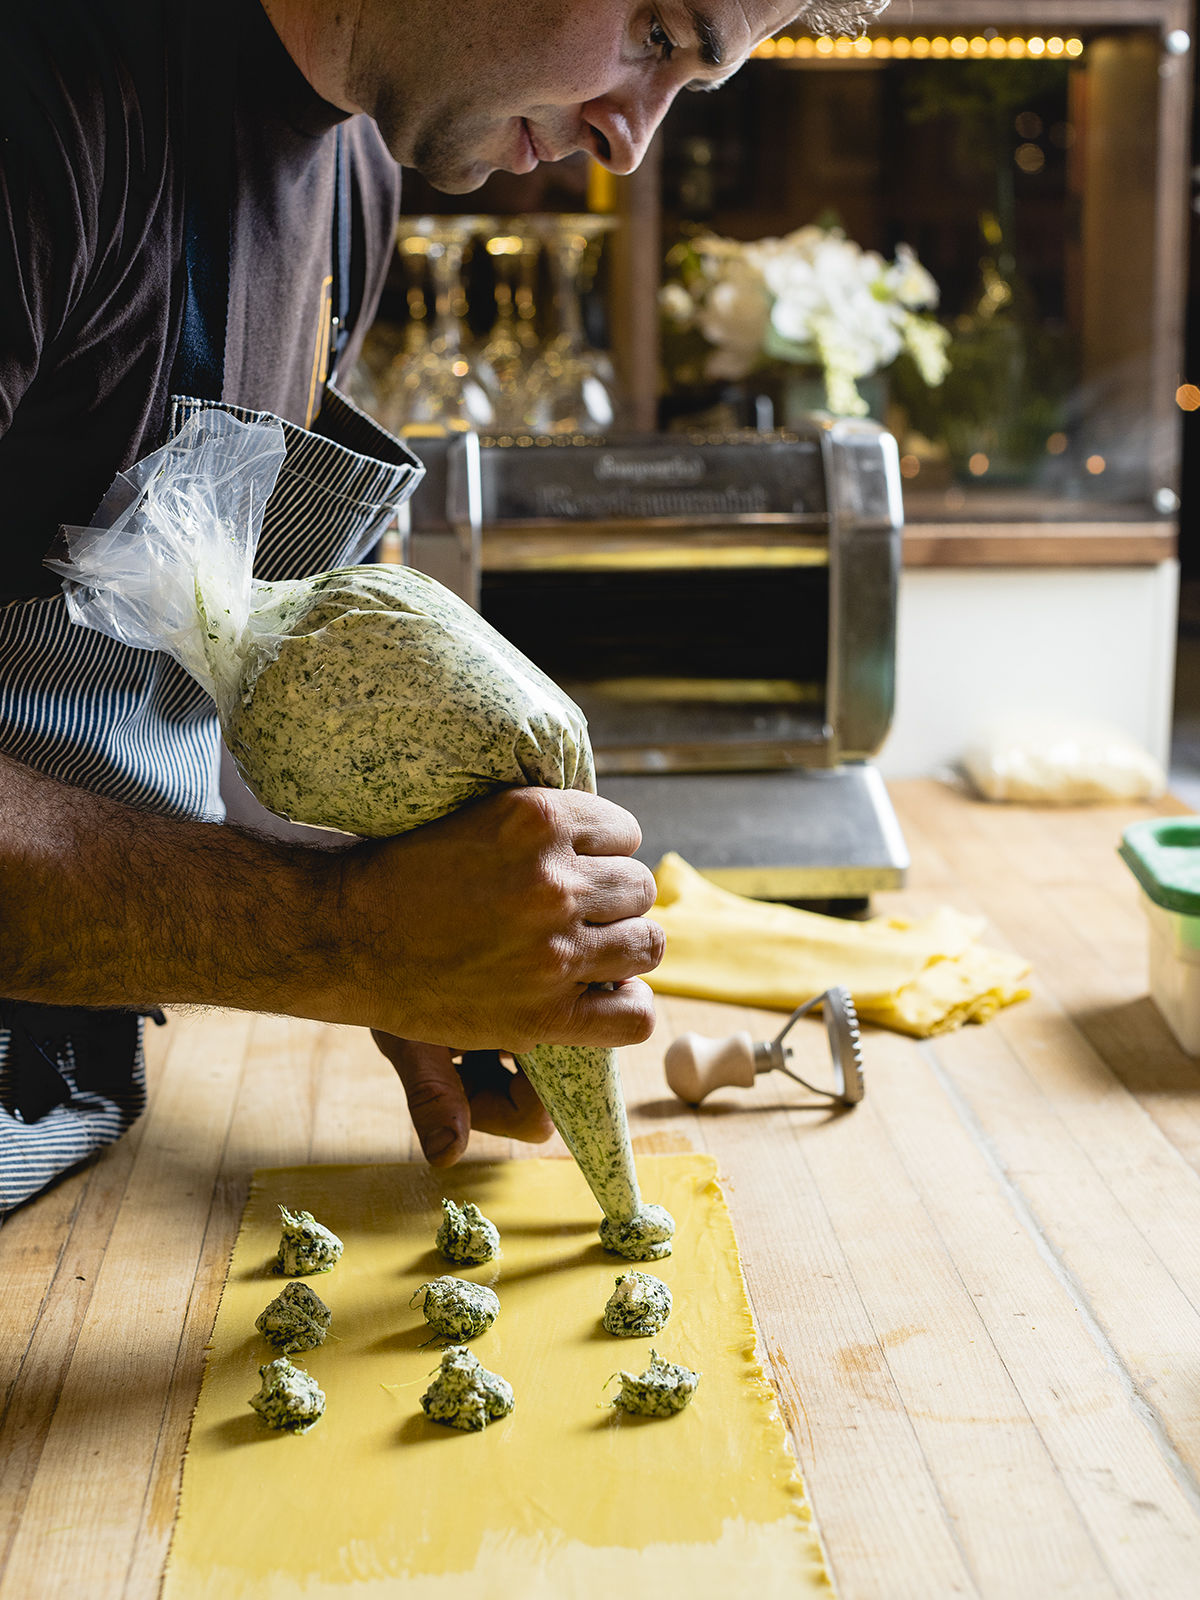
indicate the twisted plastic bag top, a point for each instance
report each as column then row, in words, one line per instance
column 169, row 564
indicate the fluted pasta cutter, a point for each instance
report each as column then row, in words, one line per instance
column 696, row 1065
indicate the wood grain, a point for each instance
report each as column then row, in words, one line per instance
column 1038, row 544
column 978, row 1293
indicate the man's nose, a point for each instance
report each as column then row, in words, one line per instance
column 623, row 126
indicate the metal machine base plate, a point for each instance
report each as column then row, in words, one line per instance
column 796, row 835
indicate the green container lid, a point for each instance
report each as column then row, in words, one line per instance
column 1164, row 857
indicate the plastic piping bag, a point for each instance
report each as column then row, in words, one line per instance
column 367, row 699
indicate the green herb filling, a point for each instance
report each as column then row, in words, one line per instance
column 646, row 1238
column 466, row 1237
column 296, row 1319
column 305, row 1246
column 661, row 1391
column 289, row 1399
column 458, row 1310
column 638, row 1306
column 465, row 1394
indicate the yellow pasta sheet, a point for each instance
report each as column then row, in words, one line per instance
column 567, row 1497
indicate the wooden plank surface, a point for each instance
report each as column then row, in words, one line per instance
column 978, row 1293
column 1038, row 544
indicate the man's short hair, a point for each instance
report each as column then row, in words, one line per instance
column 841, row 16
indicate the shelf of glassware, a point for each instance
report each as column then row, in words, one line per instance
column 1132, row 248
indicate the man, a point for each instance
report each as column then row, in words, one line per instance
column 196, row 204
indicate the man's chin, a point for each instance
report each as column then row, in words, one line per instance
column 459, row 185
column 454, row 177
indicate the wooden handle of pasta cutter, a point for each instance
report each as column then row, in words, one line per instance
column 696, row 1066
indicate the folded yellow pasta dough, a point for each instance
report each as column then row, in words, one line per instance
column 919, row 977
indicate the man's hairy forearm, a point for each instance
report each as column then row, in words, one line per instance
column 515, row 920
column 104, row 905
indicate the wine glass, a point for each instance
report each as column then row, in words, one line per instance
column 434, row 381
column 570, row 388
column 511, row 347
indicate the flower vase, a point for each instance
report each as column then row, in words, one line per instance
column 801, row 392
column 784, row 396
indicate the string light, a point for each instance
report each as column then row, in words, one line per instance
column 900, row 47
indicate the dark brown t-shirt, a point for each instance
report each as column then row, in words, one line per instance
column 91, row 246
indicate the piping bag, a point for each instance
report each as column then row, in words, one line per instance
column 369, row 699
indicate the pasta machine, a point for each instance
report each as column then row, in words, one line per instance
column 722, row 608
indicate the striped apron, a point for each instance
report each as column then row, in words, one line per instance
column 132, row 725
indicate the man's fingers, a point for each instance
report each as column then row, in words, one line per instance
column 616, row 887
column 620, row 1015
column 511, row 908
column 613, row 951
column 446, row 1101
column 437, row 1101
column 596, row 826
column 503, row 1100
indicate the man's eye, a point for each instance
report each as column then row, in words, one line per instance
column 658, row 39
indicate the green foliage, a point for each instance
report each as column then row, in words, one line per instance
column 1005, row 393
column 979, row 98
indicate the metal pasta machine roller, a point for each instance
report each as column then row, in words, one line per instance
column 722, row 608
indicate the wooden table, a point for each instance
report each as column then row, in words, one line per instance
column 978, row 1293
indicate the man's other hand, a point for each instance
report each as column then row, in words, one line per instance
column 446, row 1099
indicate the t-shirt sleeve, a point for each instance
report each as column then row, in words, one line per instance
column 48, row 212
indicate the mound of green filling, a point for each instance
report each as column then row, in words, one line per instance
column 289, row 1399
column 638, row 1306
column 466, row 1237
column 660, row 1391
column 305, row 1246
column 456, row 1309
column 465, row 1394
column 646, row 1238
column 297, row 1319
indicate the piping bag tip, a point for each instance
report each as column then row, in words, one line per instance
column 580, row 1086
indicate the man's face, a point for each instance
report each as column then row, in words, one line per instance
column 462, row 89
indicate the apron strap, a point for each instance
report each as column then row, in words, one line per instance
column 341, row 251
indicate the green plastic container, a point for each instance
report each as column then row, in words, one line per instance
column 1164, row 857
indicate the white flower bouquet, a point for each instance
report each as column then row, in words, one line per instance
column 813, row 298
